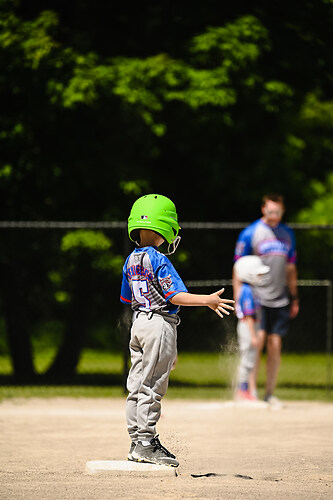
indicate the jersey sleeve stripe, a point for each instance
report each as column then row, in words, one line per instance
column 125, row 300
column 173, row 292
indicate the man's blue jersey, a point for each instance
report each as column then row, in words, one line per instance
column 150, row 281
column 276, row 247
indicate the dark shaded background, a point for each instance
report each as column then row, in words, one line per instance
column 88, row 123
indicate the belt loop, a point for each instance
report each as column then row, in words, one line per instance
column 150, row 314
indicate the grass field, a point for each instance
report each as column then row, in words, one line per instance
column 197, row 376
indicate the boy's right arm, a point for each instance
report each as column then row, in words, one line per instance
column 125, row 293
column 213, row 301
column 236, row 284
column 243, row 247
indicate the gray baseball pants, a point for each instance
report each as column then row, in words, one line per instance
column 248, row 354
column 153, row 349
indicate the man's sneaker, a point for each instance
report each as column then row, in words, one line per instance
column 273, row 401
column 154, row 453
column 130, row 453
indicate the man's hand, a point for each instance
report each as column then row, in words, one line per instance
column 294, row 308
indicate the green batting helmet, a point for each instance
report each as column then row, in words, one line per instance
column 155, row 212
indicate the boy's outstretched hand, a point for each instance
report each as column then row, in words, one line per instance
column 220, row 305
column 213, row 301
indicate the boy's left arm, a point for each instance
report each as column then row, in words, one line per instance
column 213, row 301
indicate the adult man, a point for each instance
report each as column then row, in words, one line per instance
column 274, row 243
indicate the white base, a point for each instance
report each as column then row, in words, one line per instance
column 122, row 467
column 233, row 404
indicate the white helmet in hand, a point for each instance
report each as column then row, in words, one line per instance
column 251, row 269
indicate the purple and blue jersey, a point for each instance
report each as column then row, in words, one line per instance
column 276, row 247
column 150, row 281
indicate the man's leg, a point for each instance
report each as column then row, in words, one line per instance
column 279, row 322
column 274, row 344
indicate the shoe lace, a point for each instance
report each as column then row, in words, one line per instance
column 158, row 446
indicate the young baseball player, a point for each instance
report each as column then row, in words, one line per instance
column 251, row 271
column 153, row 288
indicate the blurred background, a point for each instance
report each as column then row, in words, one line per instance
column 211, row 105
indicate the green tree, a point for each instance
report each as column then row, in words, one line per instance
column 210, row 107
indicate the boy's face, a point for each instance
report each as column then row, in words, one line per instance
column 272, row 212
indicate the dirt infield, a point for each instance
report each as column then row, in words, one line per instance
column 287, row 453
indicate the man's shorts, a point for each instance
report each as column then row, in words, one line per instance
column 275, row 320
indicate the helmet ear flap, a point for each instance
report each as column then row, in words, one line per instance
column 135, row 235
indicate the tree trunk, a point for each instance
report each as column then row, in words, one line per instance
column 65, row 363
column 16, row 314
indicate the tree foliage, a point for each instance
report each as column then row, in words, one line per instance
column 100, row 104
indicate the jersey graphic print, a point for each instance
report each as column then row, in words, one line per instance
column 149, row 281
column 262, row 240
column 166, row 283
column 274, row 247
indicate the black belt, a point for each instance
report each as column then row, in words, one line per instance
column 175, row 319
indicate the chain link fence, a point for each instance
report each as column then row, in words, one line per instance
column 204, row 260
